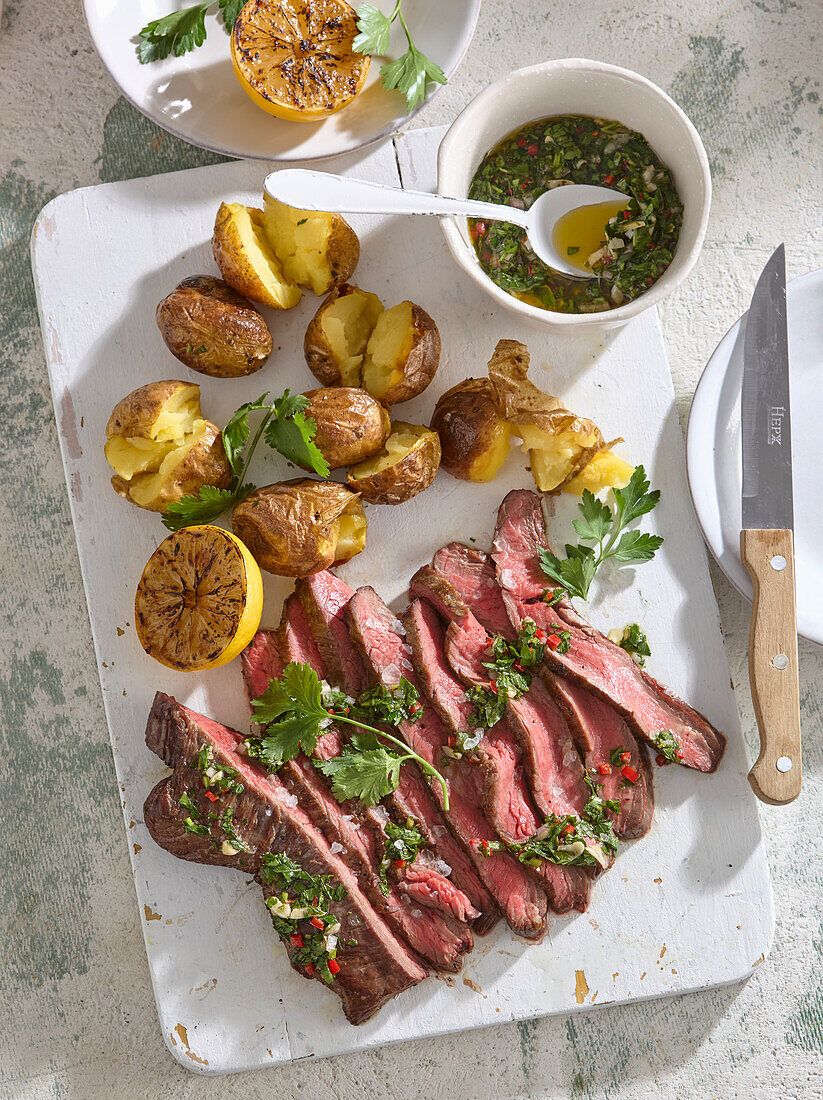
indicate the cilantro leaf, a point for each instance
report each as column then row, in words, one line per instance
column 604, row 526
column 297, row 691
column 203, row 507
column 229, row 10
column 369, row 775
column 293, row 439
column 236, row 432
column 374, row 28
column 176, row 33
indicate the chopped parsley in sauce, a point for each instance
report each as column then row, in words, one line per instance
column 639, row 241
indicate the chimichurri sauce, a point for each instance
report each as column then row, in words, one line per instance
column 639, row 241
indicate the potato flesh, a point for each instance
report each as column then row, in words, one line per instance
column 147, row 487
column 397, row 446
column 552, row 457
column 262, row 257
column 347, row 325
column 301, row 238
column 605, row 471
column 487, row 465
column 349, row 535
column 388, row 349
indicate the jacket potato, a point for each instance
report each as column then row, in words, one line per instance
column 161, row 448
column 294, row 528
column 405, row 466
column 337, row 335
column 315, row 249
column 402, row 355
column 247, row 260
column 474, row 439
column 211, row 328
column 350, row 424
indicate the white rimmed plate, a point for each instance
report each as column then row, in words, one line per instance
column 197, row 97
column 714, row 460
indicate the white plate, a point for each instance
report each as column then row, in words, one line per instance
column 197, row 97
column 687, row 907
column 714, row 454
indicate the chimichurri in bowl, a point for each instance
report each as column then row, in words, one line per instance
column 580, row 89
column 629, row 252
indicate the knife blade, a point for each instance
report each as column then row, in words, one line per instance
column 765, row 416
column 767, row 537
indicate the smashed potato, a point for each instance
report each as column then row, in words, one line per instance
column 405, row 466
column 337, row 335
column 293, row 528
column 211, row 328
column 315, row 249
column 350, row 425
column 247, row 260
column 402, row 355
column 474, row 438
column 605, row 471
column 161, row 448
column 560, row 443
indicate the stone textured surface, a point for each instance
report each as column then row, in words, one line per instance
column 74, row 994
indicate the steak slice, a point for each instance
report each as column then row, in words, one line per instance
column 387, row 654
column 374, row 964
column 595, row 725
column 323, row 597
column 466, row 648
column 424, row 884
column 522, row 901
column 593, row 659
column 354, row 830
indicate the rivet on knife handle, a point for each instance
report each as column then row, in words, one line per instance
column 768, row 555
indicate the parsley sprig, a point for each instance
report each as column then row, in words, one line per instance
column 181, row 31
column 411, row 72
column 285, row 428
column 295, row 709
column 606, row 527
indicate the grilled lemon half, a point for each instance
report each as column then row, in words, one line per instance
column 296, row 59
column 199, row 600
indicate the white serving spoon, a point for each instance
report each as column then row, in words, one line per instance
column 310, row 190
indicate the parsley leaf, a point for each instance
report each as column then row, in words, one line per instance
column 368, row 774
column 291, row 433
column 203, row 507
column 236, row 432
column 600, row 524
column 411, row 72
column 229, row 10
column 176, row 33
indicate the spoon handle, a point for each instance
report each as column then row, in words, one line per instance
column 309, row 190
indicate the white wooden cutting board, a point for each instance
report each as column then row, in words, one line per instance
column 686, row 908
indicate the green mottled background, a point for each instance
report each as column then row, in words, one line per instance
column 77, row 1008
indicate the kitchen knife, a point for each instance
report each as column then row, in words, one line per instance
column 767, row 537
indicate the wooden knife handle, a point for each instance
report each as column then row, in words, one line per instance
column 777, row 775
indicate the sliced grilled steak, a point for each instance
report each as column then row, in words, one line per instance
column 466, row 649
column 324, row 597
column 374, row 964
column 373, row 631
column 427, row 886
column 595, row 725
column 355, row 831
column 592, row 659
column 472, row 784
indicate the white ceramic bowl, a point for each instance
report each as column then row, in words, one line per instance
column 577, row 86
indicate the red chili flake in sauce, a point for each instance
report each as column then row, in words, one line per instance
column 400, row 863
column 493, row 686
column 609, row 178
column 629, row 773
column 309, row 968
column 553, row 641
column 521, row 142
column 541, row 634
column 518, row 666
column 317, row 923
column 334, row 966
column 626, row 757
column 211, row 796
column 569, row 828
column 532, row 150
column 296, row 939
column 604, row 769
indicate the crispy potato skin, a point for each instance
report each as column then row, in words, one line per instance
column 233, row 259
column 205, row 463
column 421, row 363
column 320, row 358
column 350, row 424
column 411, row 474
column 342, row 254
column 470, row 430
column 214, row 330
column 289, row 526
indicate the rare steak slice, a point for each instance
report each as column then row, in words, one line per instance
column 388, row 656
column 260, row 818
column 597, row 727
column 355, row 831
column 592, row 659
column 323, row 597
column 466, row 650
column 522, row 901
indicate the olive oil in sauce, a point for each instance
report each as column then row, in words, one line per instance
column 581, row 233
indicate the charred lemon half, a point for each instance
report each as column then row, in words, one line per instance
column 297, row 60
column 200, row 599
